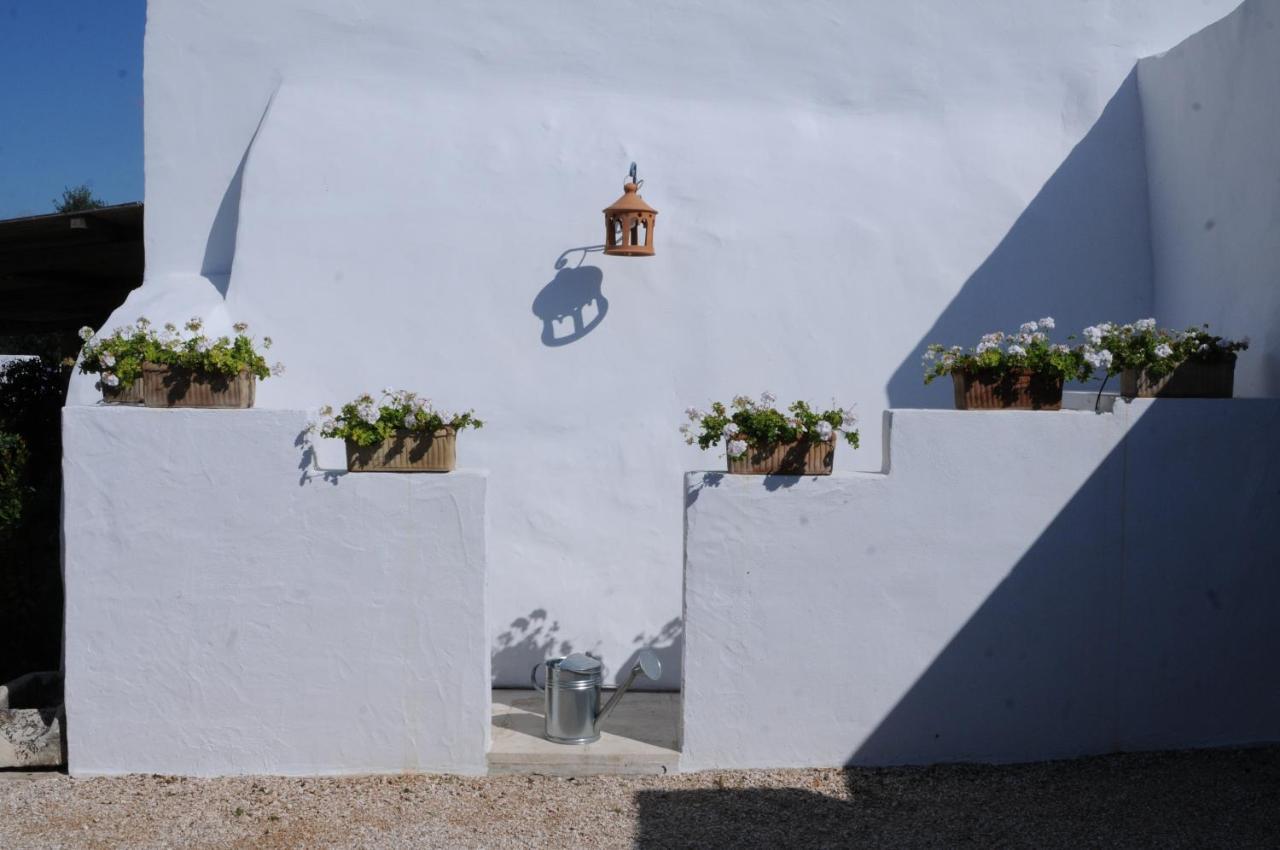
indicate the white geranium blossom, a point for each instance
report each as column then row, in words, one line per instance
column 1098, row 358
column 983, row 347
column 1145, row 325
column 731, row 430
column 1093, row 334
column 1047, row 323
column 410, row 421
column 1017, row 351
column 849, row 420
column 86, row 333
column 693, row 413
column 1163, row 350
column 736, row 448
column 824, row 429
column 107, row 359
column 1029, row 327
column 768, row 399
column 110, row 379
column 367, row 412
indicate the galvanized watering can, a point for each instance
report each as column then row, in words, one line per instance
column 572, row 694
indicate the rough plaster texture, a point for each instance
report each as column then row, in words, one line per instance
column 229, row 611
column 1019, row 586
column 385, row 188
column 1212, row 118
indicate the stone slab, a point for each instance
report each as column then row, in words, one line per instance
column 640, row 737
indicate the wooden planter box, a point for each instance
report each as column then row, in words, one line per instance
column 1018, row 390
column 798, row 458
column 123, row 395
column 408, row 451
column 1189, row 379
column 173, row 386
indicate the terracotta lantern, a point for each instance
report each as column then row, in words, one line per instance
column 628, row 222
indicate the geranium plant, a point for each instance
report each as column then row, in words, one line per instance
column 1142, row 345
column 367, row 421
column 117, row 359
column 749, row 424
column 999, row 353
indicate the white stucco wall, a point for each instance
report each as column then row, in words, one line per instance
column 1019, row 586
column 839, row 182
column 1212, row 119
column 230, row 610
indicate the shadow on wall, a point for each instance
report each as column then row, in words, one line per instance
column 1083, row 629
column 572, row 305
column 220, row 247
column 1086, row 645
column 534, row 638
column 1080, row 252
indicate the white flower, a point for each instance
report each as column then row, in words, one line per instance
column 1059, row 348
column 410, row 421
column 107, row 359
column 824, row 429
column 693, row 413
column 1093, row 333
column 277, row 369
column 367, row 412
column 984, row 346
column 203, row 345
column 1029, row 327
column 110, row 379
column 736, row 448
column 328, row 425
column 768, row 399
column 86, row 333
column 731, row 430
column 1098, row 359
column 1163, row 350
column 929, row 356
column 388, row 391
column 1047, row 323
column 849, row 420
column 1017, row 351
column 684, row 429
column 1145, row 325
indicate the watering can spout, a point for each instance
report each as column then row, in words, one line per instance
column 648, row 664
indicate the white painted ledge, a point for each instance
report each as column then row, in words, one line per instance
column 1018, row 586
column 229, row 611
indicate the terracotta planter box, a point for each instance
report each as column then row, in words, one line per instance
column 799, row 458
column 173, row 386
column 1190, row 379
column 1021, row 390
column 408, row 451
column 123, row 395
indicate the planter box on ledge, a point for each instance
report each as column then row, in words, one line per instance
column 1016, row 390
column 1190, row 379
column 131, row 394
column 408, row 451
column 799, row 458
column 173, row 386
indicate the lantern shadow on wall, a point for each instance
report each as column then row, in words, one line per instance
column 572, row 305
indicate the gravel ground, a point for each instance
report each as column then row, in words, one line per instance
column 1209, row 798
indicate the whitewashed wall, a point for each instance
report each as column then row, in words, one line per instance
column 1212, row 118
column 231, row 610
column 839, row 182
column 1019, row 586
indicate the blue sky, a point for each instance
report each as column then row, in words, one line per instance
column 70, row 101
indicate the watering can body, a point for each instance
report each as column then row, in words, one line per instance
column 572, row 693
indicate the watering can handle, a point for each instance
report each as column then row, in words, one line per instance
column 533, row 676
